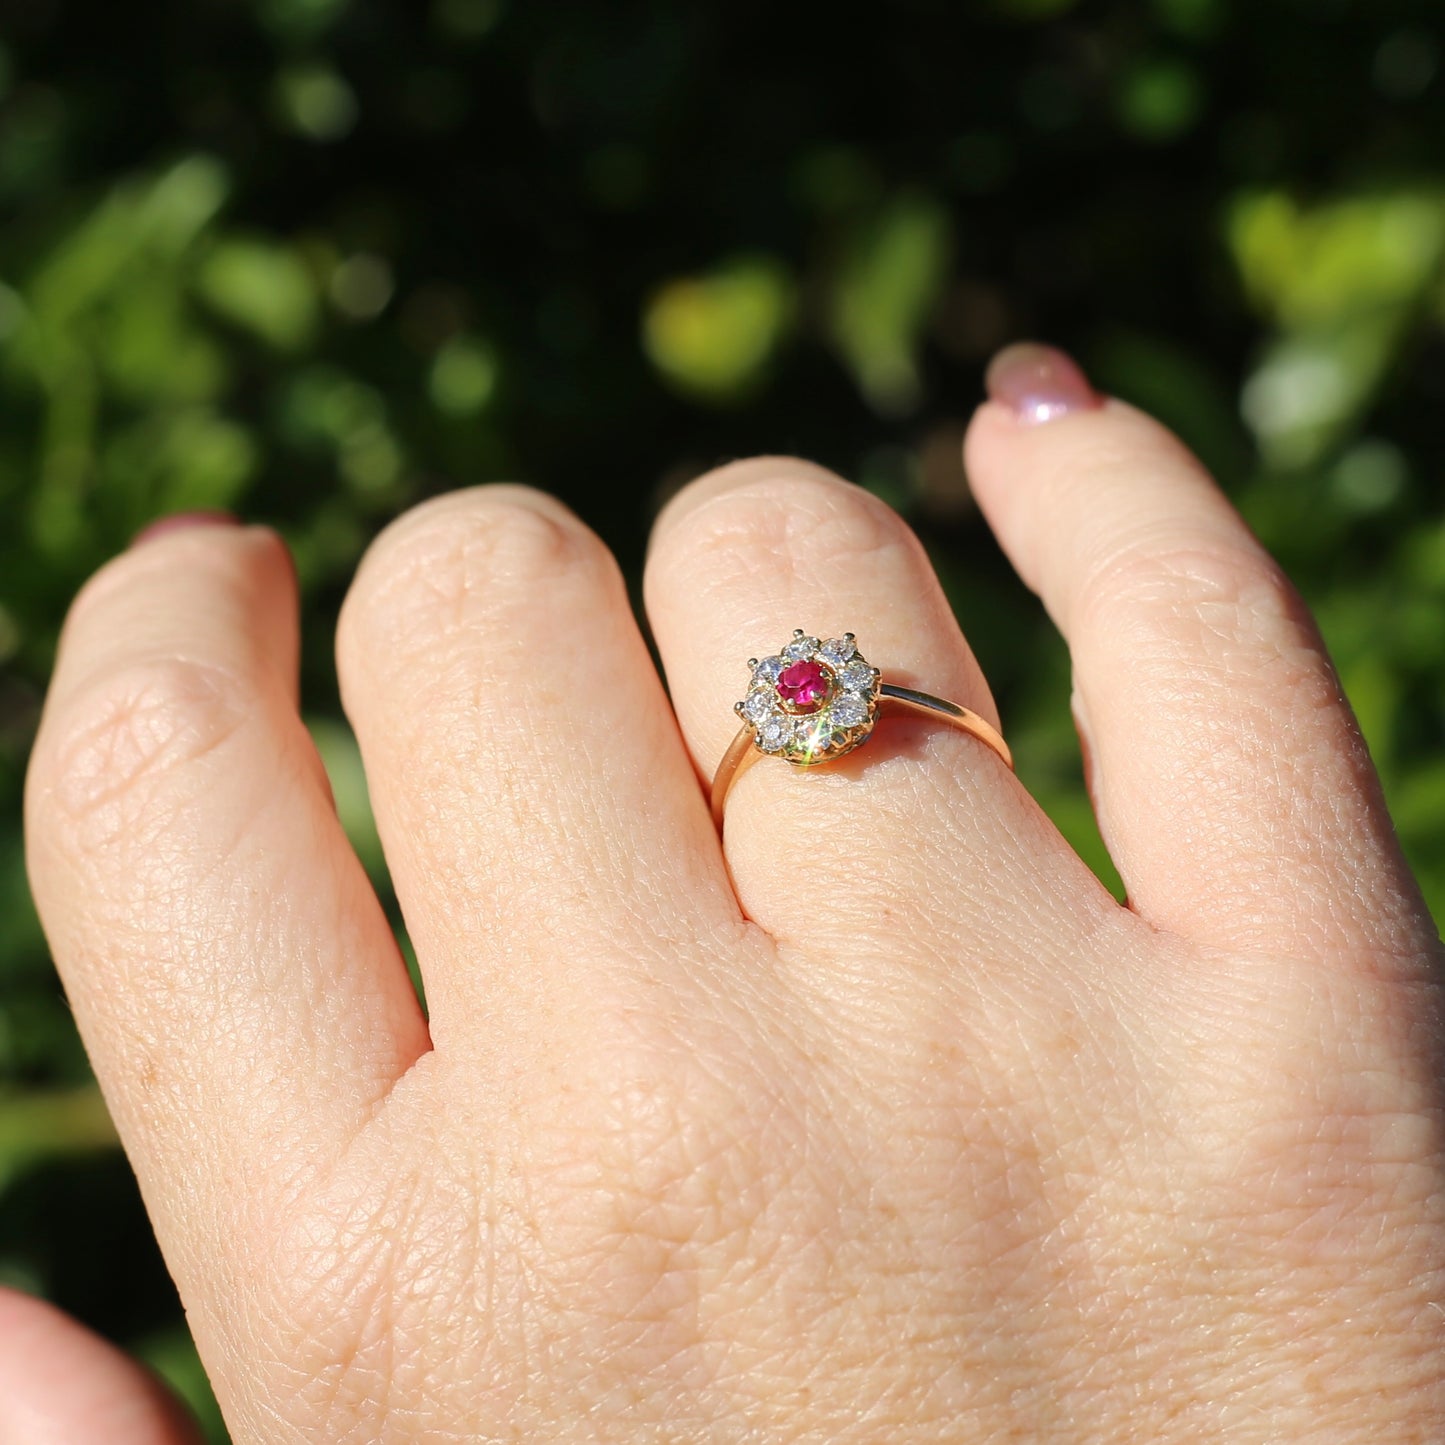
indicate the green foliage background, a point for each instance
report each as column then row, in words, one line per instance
column 313, row 260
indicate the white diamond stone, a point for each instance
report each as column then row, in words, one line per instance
column 814, row 735
column 848, row 711
column 768, row 671
column 837, row 651
column 775, row 734
column 857, row 677
column 800, row 647
column 759, row 705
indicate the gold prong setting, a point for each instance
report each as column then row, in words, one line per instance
column 813, row 700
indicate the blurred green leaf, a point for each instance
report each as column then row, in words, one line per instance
column 262, row 287
column 1406, row 62
column 152, row 351
column 1345, row 282
column 1418, row 803
column 325, row 409
column 323, row 405
column 1423, row 558
column 712, row 336
column 1373, row 689
column 316, row 102
column 1369, row 477
column 464, row 376
column 37, row 1127
column 1316, row 266
column 32, row 141
column 1309, row 387
column 891, row 274
column 142, row 223
column 301, row 20
column 1159, row 100
column 21, row 941
column 12, row 312
column 1194, row 19
column 361, row 286
column 184, row 459
column 467, row 19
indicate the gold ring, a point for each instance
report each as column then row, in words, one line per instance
column 812, row 702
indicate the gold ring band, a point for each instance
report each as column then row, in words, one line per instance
column 813, row 702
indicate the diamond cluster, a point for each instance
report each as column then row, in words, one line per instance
column 813, row 700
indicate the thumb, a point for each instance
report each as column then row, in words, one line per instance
column 61, row 1384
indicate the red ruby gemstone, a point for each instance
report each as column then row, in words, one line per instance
column 804, row 686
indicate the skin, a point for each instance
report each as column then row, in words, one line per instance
column 61, row 1385
column 881, row 1120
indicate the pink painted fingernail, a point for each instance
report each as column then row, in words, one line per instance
column 181, row 521
column 1039, row 383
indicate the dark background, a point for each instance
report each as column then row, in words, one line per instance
column 313, row 260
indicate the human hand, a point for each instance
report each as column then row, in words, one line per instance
column 883, row 1122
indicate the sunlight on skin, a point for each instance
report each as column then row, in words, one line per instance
column 695, row 1122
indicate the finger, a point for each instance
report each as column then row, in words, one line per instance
column 62, row 1385
column 237, row 986
column 921, row 822
column 536, row 805
column 1232, row 786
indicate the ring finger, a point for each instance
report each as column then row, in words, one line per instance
column 923, row 825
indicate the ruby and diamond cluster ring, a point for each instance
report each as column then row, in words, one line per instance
column 814, row 701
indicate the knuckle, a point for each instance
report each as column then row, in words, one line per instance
column 122, row 755
column 1225, row 601
column 1148, row 571
column 772, row 515
column 466, row 563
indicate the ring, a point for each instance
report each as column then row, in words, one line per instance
column 813, row 702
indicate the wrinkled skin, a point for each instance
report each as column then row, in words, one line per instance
column 878, row 1121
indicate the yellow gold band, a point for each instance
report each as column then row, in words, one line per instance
column 743, row 750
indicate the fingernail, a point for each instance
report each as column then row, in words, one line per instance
column 1039, row 383
column 182, row 521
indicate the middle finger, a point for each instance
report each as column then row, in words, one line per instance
column 532, row 793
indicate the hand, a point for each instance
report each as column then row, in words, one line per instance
column 883, row 1121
